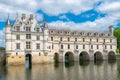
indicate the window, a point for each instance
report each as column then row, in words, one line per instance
column 83, row 39
column 18, row 46
column 60, row 38
column 68, row 46
column 37, row 37
column 103, row 40
column 18, row 28
column 90, row 40
column 61, row 46
column 110, row 40
column 37, row 46
column 105, row 47
column 83, row 46
column 17, row 37
column 97, row 46
column 28, row 45
column 91, row 46
column 52, row 46
column 51, row 38
column 75, row 39
column 76, row 46
column 97, row 40
column 28, row 29
column 37, row 29
column 68, row 39
column 28, row 36
column 110, row 46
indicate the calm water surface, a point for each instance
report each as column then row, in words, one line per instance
column 71, row 71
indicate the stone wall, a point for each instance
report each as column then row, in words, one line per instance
column 20, row 59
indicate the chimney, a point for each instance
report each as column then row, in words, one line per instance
column 111, row 30
column 23, row 16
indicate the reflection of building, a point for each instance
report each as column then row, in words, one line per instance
column 27, row 36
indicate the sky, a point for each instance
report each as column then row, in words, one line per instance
column 74, row 14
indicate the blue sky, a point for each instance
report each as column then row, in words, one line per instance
column 73, row 14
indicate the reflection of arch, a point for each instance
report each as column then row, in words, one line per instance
column 56, row 57
column 111, row 55
column 84, row 56
column 98, row 56
column 69, row 56
column 28, row 60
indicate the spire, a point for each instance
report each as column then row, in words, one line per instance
column 8, row 20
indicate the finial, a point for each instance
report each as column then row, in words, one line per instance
column 8, row 20
column 17, row 14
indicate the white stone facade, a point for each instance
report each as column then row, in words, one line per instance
column 27, row 36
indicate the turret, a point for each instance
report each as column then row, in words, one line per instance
column 8, row 34
column 111, row 30
column 8, row 26
column 45, row 36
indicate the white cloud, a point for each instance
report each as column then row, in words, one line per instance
column 64, row 17
column 50, row 7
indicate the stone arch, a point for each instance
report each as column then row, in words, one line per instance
column 69, row 57
column 56, row 57
column 28, row 60
column 111, row 55
column 98, row 56
column 84, row 56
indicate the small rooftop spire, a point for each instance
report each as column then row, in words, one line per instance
column 8, row 20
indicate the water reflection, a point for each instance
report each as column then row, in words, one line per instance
column 64, row 71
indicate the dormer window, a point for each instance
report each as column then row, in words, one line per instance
column 18, row 28
column 37, row 29
column 28, row 29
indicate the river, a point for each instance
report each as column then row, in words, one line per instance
column 70, row 71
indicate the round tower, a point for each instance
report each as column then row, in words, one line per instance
column 45, row 37
column 8, row 35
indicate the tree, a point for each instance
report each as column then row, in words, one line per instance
column 2, row 48
column 117, row 35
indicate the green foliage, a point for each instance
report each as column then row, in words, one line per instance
column 117, row 50
column 2, row 48
column 117, row 35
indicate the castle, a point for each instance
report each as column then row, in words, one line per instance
column 28, row 40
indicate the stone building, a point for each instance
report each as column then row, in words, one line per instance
column 27, row 40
